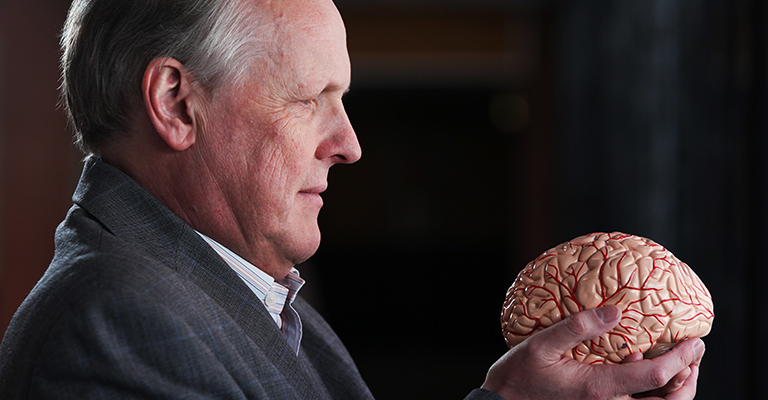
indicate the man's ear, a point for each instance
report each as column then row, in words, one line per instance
column 168, row 96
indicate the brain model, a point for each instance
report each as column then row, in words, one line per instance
column 661, row 298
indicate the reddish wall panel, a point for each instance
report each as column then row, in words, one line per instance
column 37, row 161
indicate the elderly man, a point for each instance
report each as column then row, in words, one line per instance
column 210, row 127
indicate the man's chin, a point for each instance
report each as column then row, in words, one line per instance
column 306, row 248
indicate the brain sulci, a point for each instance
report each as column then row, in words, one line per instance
column 662, row 300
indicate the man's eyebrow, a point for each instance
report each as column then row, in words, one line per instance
column 337, row 88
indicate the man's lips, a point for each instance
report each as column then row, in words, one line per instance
column 314, row 190
column 313, row 194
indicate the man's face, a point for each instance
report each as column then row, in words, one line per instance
column 269, row 141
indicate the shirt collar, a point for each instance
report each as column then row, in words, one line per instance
column 273, row 294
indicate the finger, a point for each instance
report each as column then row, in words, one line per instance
column 632, row 357
column 688, row 390
column 647, row 375
column 568, row 333
column 674, row 384
column 677, row 381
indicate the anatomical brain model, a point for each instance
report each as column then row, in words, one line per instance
column 661, row 298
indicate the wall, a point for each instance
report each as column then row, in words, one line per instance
column 38, row 167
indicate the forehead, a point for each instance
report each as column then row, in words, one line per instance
column 313, row 19
column 309, row 38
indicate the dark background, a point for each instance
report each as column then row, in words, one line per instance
column 491, row 131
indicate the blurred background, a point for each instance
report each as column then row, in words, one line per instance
column 492, row 130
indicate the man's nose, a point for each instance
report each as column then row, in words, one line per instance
column 341, row 145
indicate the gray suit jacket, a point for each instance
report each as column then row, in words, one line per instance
column 136, row 305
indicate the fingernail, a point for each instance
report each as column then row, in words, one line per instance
column 607, row 314
column 700, row 348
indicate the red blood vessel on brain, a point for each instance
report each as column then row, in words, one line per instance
column 662, row 300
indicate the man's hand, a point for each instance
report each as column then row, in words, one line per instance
column 537, row 368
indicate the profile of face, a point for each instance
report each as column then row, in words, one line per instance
column 269, row 140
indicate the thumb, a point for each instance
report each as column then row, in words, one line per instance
column 568, row 333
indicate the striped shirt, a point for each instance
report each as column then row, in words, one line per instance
column 277, row 296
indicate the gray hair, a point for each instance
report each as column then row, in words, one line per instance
column 108, row 44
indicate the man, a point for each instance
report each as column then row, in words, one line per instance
column 211, row 126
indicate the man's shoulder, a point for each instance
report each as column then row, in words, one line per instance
column 106, row 300
column 92, row 269
column 89, row 258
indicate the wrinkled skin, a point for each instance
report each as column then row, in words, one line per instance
column 247, row 163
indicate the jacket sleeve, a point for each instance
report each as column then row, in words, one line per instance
column 482, row 394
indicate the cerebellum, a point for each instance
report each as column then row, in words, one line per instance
column 662, row 299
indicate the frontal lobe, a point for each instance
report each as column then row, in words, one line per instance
column 662, row 300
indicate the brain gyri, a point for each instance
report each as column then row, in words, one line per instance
column 661, row 298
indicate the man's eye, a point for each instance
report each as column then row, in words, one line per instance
column 308, row 102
